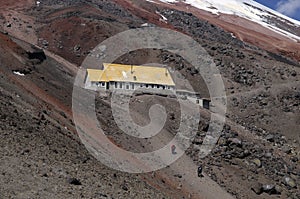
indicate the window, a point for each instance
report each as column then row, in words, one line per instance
column 127, row 87
column 132, row 86
column 121, row 85
column 102, row 84
column 116, row 85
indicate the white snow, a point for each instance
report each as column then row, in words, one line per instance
column 163, row 18
column 18, row 73
column 239, row 8
column 145, row 25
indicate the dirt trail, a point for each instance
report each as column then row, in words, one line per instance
column 203, row 187
column 189, row 185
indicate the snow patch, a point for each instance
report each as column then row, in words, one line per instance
column 248, row 9
column 163, row 18
column 145, row 25
column 18, row 73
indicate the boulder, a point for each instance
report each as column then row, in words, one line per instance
column 257, row 188
column 278, row 189
column 289, row 182
column 235, row 141
column 271, row 189
column 270, row 138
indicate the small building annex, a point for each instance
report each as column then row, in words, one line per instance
column 129, row 77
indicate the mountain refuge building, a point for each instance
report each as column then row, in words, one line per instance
column 151, row 79
column 129, row 77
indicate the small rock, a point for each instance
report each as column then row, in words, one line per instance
column 286, row 149
column 294, row 73
column 257, row 162
column 74, row 181
column 25, row 151
column 235, row 141
column 244, row 154
column 197, row 141
column 179, row 187
column 236, row 161
column 268, row 188
column 77, row 48
column 102, row 48
column 257, row 188
column 178, row 175
column 124, row 187
column 222, row 142
column 289, row 182
column 271, row 189
column 278, row 189
column 172, row 116
column 270, row 138
column 102, row 195
column 45, row 43
column 294, row 159
column 268, row 155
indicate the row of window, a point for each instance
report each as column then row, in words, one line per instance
column 102, row 84
column 132, row 85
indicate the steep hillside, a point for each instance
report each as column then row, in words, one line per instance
column 43, row 45
column 41, row 156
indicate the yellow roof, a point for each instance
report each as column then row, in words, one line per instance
column 131, row 73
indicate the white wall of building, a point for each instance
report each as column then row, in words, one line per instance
column 125, row 86
column 97, row 86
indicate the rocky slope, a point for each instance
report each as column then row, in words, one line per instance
column 257, row 155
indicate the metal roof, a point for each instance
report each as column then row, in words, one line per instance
column 131, row 73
